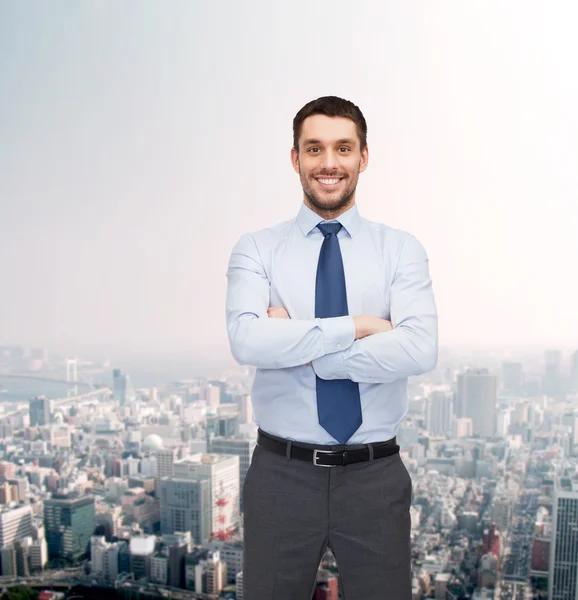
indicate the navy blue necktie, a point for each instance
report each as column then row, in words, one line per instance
column 338, row 401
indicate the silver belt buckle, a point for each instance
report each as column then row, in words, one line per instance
column 316, row 453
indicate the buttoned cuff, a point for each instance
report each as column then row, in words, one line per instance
column 338, row 333
column 330, row 366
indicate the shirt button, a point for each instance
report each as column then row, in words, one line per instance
column 339, row 346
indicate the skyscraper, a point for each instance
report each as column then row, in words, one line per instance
column 15, row 524
column 69, row 521
column 563, row 573
column 222, row 471
column 39, row 408
column 477, row 396
column 553, row 384
column 512, row 377
column 186, row 506
column 241, row 447
column 122, row 387
column 574, row 373
column 439, row 414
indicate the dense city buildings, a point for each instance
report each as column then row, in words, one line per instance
column 111, row 484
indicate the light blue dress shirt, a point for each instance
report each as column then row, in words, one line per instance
column 387, row 275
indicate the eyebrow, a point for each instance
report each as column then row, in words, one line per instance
column 309, row 142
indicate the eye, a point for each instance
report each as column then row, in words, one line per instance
column 344, row 148
column 312, row 149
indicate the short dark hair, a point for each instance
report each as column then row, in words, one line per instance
column 331, row 106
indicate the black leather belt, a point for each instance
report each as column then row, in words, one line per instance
column 324, row 457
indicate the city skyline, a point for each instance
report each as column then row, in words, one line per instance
column 133, row 159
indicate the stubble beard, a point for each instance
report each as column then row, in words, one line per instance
column 322, row 204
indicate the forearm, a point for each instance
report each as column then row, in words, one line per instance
column 280, row 343
column 385, row 357
column 411, row 348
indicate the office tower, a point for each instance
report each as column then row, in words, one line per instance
column 225, row 397
column 141, row 552
column 461, row 428
column 477, row 396
column 8, row 561
column 210, row 575
column 186, row 506
column 176, row 564
column 232, row 556
column 160, row 568
column 574, row 373
column 245, row 408
column 98, row 550
column 512, row 378
column 39, row 408
column 563, row 571
column 69, row 521
column 7, row 470
column 239, row 586
column 552, row 383
column 72, row 373
column 222, row 426
column 38, row 554
column 223, row 473
column 15, row 524
column 166, row 459
column 122, row 387
column 241, row 447
column 439, row 414
column 212, row 396
column 503, row 421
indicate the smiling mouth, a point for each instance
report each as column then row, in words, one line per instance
column 328, row 182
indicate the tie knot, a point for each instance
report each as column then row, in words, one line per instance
column 329, row 228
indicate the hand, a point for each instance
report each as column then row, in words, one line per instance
column 369, row 325
column 277, row 312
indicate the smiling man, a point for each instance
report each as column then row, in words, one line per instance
column 336, row 312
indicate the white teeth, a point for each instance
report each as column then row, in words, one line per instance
column 329, row 181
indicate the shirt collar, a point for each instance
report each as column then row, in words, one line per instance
column 308, row 220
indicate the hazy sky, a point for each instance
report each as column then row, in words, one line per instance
column 139, row 140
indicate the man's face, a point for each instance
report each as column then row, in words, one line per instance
column 329, row 162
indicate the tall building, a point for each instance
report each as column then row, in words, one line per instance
column 15, row 524
column 122, row 387
column 142, row 550
column 241, row 447
column 574, row 373
column 552, row 383
column 222, row 426
column 563, row 569
column 439, row 414
column 461, row 427
column 70, row 522
column 512, row 378
column 477, row 396
column 166, row 458
column 213, row 396
column 186, row 506
column 245, row 407
column 222, row 471
column 39, row 408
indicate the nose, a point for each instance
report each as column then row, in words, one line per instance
column 330, row 160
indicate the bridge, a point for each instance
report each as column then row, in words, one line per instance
column 31, row 377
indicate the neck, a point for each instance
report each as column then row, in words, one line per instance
column 329, row 214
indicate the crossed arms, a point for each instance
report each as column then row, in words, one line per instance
column 363, row 348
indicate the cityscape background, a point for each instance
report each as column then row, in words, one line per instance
column 139, row 141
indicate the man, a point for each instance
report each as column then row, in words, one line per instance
column 336, row 312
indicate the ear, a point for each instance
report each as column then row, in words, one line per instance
column 295, row 160
column 364, row 159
